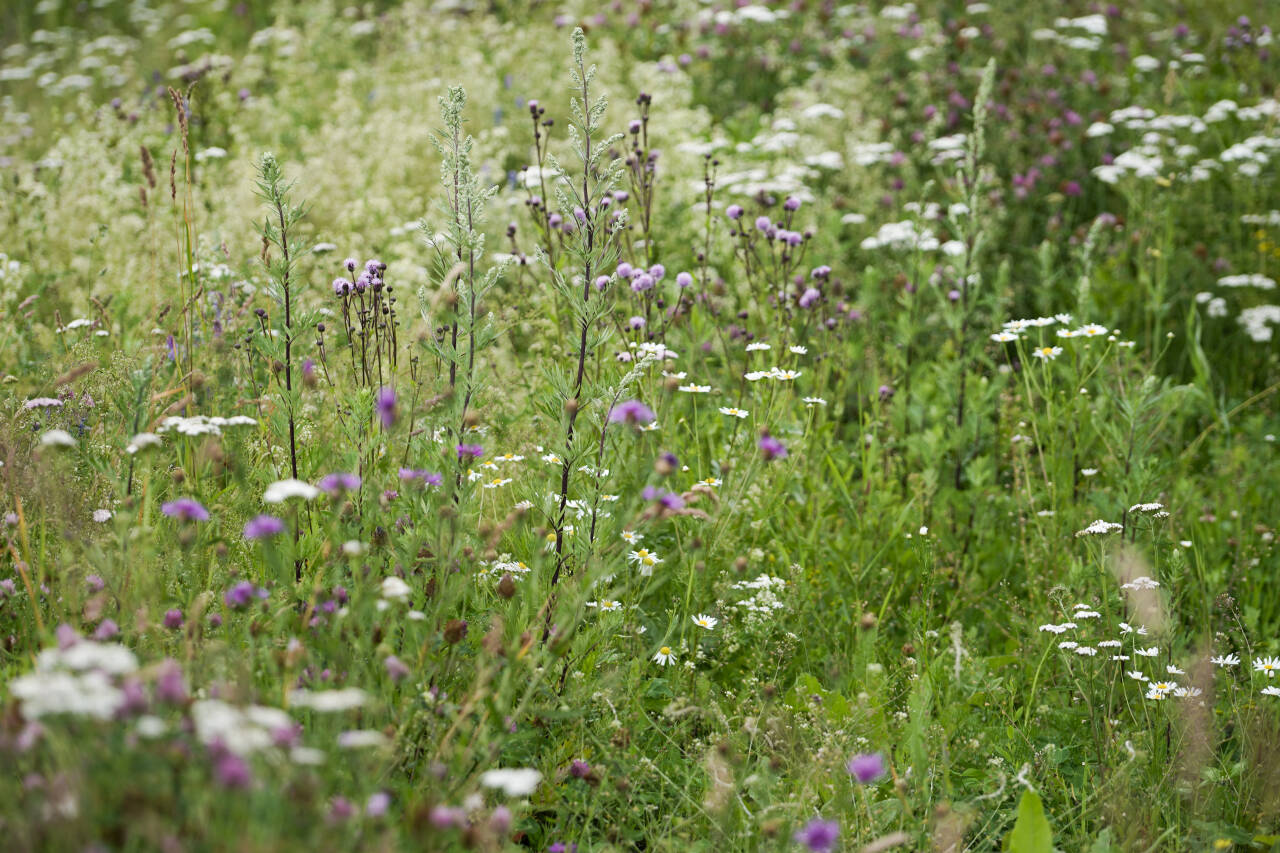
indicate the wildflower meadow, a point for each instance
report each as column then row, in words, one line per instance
column 650, row 425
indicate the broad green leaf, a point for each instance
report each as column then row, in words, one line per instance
column 1030, row 833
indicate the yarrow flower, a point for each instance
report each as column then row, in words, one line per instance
column 282, row 490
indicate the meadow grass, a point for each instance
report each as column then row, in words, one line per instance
column 656, row 426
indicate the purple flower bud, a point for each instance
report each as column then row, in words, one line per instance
column 636, row 322
column 634, row 125
column 886, row 393
column 173, row 619
column 351, row 264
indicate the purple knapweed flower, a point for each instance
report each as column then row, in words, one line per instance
column 396, row 668
column 771, row 448
column 386, row 405
column 263, row 527
column 378, row 804
column 185, row 509
column 631, row 412
column 669, row 500
column 867, row 767
column 818, row 835
column 242, row 595
column 340, row 809
column 336, row 484
column 231, row 771
column 171, row 688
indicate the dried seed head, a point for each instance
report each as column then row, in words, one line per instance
column 455, row 630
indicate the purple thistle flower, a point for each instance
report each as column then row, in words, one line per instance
column 683, row 279
column 242, row 595
column 336, row 484
column 340, row 809
column 579, row 769
column 386, row 406
column 631, row 412
column 263, row 527
column 170, row 686
column 342, row 286
column 810, row 296
column 378, row 804
column 474, row 451
column 867, row 767
column 670, row 500
column 173, row 619
column 772, row 448
column 185, row 509
column 396, row 668
column 107, row 629
column 231, row 770
column 818, row 835
column 733, row 211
